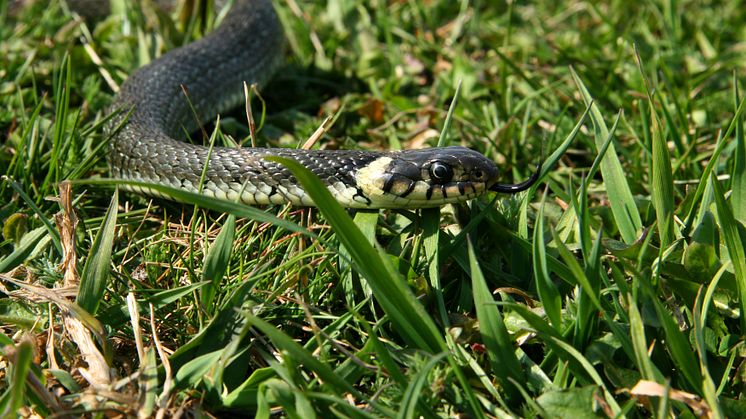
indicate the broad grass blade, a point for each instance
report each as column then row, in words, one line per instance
column 577, row 272
column 217, row 260
column 503, row 361
column 244, row 396
column 729, row 228
column 662, row 176
column 96, row 270
column 620, row 197
column 148, row 381
column 647, row 369
column 23, row 250
column 431, row 234
column 677, row 343
column 449, row 117
column 709, row 392
column 548, row 293
column 662, row 187
column 738, row 175
column 24, row 356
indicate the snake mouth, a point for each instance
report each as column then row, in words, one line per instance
column 513, row 188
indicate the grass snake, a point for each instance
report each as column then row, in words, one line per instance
column 248, row 46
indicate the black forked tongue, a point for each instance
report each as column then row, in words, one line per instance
column 517, row 187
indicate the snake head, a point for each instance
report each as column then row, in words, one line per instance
column 431, row 177
column 427, row 178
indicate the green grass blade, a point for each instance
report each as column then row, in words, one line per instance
column 554, row 265
column 662, row 183
column 504, row 362
column 244, row 396
column 548, row 293
column 21, row 164
column 24, row 248
column 589, row 369
column 226, row 323
column 738, row 174
column 61, row 106
column 662, row 176
column 148, row 381
column 620, row 196
column 639, row 343
column 732, row 232
column 550, row 162
column 603, row 149
column 96, row 270
column 195, row 370
column 593, row 269
column 23, row 358
column 217, row 261
column 431, row 234
column 116, row 315
column 677, row 343
column 709, row 391
column 449, row 117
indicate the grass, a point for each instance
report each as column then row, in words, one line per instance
column 613, row 288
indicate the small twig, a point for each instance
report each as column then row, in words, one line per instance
column 168, row 383
column 249, row 113
column 135, row 322
column 321, row 130
column 101, row 69
column 248, row 92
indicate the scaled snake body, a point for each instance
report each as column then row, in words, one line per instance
column 248, row 47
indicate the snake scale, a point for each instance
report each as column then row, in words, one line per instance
column 248, row 46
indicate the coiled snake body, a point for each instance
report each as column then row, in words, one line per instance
column 248, row 47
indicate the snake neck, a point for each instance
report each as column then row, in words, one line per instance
column 207, row 74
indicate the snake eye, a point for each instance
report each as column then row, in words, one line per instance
column 441, row 172
column 478, row 174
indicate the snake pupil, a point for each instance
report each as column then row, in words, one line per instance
column 441, row 172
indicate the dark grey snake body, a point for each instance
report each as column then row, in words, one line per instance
column 247, row 47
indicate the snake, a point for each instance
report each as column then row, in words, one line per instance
column 189, row 85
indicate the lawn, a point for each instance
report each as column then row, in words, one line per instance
column 614, row 287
